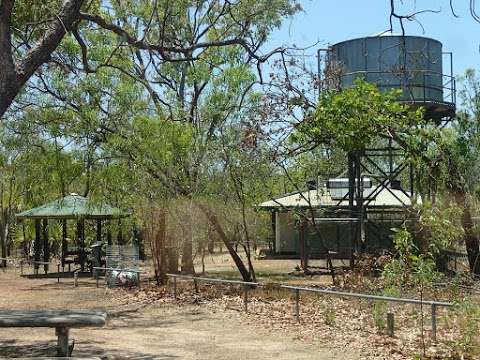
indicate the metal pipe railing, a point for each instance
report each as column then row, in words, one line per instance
column 23, row 261
column 448, row 81
column 297, row 289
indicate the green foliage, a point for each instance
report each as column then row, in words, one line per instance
column 438, row 228
column 466, row 318
column 355, row 117
column 410, row 267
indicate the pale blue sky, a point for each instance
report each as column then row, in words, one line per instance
column 331, row 21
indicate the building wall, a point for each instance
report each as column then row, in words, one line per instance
column 286, row 235
column 330, row 236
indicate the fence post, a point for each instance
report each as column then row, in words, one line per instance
column 297, row 304
column 75, row 279
column 434, row 323
column 58, row 273
column 245, row 297
column 390, row 324
column 195, row 286
column 97, row 276
column 175, row 287
column 21, row 267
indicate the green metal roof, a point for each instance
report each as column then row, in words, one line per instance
column 71, row 207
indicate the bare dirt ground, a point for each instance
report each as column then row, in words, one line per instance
column 145, row 329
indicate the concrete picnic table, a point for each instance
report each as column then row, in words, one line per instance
column 61, row 320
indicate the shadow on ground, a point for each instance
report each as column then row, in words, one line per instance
column 10, row 348
column 54, row 275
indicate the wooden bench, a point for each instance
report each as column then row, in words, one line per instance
column 61, row 320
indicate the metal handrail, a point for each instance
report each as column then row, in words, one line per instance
column 225, row 281
column 246, row 286
column 398, row 72
column 36, row 262
column 369, row 297
column 448, row 81
column 25, row 261
column 316, row 290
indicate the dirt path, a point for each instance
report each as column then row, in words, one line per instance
column 157, row 331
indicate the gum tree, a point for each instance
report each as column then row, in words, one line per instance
column 156, row 32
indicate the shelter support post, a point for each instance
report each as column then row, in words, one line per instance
column 46, row 245
column 360, row 238
column 81, row 243
column 109, row 235
column 37, row 246
column 99, row 230
column 351, row 195
column 64, row 243
column 120, row 233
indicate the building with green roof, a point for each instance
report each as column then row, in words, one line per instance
column 70, row 207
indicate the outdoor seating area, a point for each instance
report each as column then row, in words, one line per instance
column 77, row 209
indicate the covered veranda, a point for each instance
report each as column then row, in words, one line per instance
column 75, row 208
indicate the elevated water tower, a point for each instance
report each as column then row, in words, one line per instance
column 412, row 64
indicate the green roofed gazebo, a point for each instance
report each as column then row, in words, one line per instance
column 70, row 207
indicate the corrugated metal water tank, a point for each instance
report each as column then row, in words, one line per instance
column 411, row 63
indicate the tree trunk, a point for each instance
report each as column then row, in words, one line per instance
column 14, row 74
column 303, row 246
column 213, row 221
column 210, row 241
column 3, row 239
column 172, row 254
column 158, row 247
column 8, row 78
column 470, row 238
column 187, row 246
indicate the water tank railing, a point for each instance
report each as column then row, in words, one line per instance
column 411, row 79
